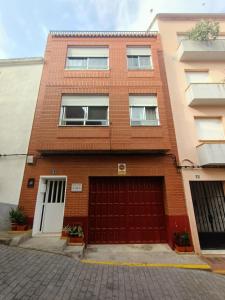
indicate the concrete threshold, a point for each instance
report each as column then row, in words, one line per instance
column 14, row 238
column 213, row 252
column 147, row 255
column 53, row 244
column 216, row 262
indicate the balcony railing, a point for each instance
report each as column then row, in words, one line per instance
column 211, row 154
column 190, row 50
column 205, row 94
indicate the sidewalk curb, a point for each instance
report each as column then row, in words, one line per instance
column 149, row 265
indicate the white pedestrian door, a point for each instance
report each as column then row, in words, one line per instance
column 53, row 206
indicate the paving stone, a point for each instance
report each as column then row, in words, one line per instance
column 28, row 274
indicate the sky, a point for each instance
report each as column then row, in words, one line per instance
column 24, row 24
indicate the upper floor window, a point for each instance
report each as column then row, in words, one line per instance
column 143, row 110
column 197, row 77
column 139, row 58
column 87, row 58
column 210, row 128
column 88, row 110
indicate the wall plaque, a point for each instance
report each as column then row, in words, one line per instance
column 76, row 187
column 122, row 169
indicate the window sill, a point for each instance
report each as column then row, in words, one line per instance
column 145, row 126
column 81, row 126
column 138, row 69
column 86, row 70
column 140, row 73
column 69, row 73
column 211, row 141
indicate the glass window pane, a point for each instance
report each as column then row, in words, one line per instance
column 137, row 113
column 132, row 62
column 77, row 62
column 59, row 191
column 77, row 123
column 74, row 112
column 150, row 113
column 97, row 63
column 144, row 62
column 95, row 123
column 97, row 113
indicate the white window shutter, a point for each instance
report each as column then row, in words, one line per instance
column 85, row 100
column 139, row 51
column 210, row 129
column 88, row 52
column 197, row 77
column 143, row 100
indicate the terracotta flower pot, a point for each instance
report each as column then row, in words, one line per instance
column 75, row 240
column 20, row 227
column 13, row 226
column 184, row 248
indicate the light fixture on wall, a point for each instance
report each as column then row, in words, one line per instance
column 122, row 169
column 53, row 171
column 30, row 159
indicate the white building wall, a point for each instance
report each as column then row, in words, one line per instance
column 19, row 86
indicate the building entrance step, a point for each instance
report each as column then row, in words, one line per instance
column 149, row 254
column 216, row 262
column 14, row 238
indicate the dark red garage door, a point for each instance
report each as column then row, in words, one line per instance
column 126, row 210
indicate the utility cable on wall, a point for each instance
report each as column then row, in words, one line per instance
column 13, row 154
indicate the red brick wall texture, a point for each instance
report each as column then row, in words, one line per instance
column 118, row 83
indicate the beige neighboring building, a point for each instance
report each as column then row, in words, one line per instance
column 196, row 80
column 19, row 86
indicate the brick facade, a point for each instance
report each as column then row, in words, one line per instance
column 81, row 152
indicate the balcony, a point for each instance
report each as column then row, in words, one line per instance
column 211, row 154
column 213, row 50
column 205, row 94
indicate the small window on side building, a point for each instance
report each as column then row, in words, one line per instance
column 209, row 128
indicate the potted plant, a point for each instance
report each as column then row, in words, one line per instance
column 204, row 31
column 12, row 216
column 18, row 219
column 76, row 235
column 182, row 242
column 65, row 231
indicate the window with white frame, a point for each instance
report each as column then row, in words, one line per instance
column 84, row 110
column 209, row 128
column 197, row 77
column 139, row 58
column 143, row 110
column 87, row 58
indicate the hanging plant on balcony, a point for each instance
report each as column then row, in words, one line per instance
column 204, row 30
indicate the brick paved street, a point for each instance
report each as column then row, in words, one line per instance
column 27, row 274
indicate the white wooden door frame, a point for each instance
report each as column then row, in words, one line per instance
column 39, row 200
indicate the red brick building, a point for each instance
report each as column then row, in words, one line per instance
column 103, row 141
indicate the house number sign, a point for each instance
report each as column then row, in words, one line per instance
column 76, row 187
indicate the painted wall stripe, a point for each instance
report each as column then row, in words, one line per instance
column 181, row 266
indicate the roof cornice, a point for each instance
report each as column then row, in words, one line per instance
column 22, row 61
column 190, row 16
column 186, row 17
column 103, row 33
